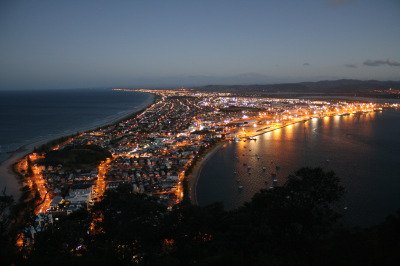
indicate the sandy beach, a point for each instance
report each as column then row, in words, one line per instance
column 9, row 180
column 194, row 176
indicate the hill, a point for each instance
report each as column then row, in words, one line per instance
column 367, row 88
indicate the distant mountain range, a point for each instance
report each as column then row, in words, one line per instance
column 341, row 86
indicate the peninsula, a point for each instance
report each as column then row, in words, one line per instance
column 155, row 150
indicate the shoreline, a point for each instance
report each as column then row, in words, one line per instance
column 10, row 180
column 194, row 176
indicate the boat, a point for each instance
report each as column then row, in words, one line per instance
column 264, row 168
column 274, row 179
column 240, row 187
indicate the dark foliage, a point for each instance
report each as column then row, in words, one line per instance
column 296, row 224
column 6, row 245
column 47, row 147
column 77, row 156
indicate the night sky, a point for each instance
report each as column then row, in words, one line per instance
column 76, row 44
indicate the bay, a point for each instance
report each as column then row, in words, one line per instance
column 363, row 150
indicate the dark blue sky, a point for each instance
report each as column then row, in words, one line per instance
column 69, row 44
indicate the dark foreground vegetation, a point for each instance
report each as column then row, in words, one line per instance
column 297, row 224
column 78, row 157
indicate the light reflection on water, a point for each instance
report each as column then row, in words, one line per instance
column 364, row 150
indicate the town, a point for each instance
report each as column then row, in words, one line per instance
column 154, row 150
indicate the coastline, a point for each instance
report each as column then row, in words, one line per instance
column 194, row 176
column 11, row 181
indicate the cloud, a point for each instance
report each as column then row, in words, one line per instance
column 351, row 65
column 375, row 63
column 392, row 63
column 337, row 3
column 306, row 64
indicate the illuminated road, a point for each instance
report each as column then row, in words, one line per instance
column 100, row 184
column 184, row 121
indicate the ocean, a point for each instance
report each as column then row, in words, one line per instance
column 34, row 115
column 363, row 150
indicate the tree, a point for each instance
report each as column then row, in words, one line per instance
column 6, row 238
column 295, row 224
column 29, row 170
